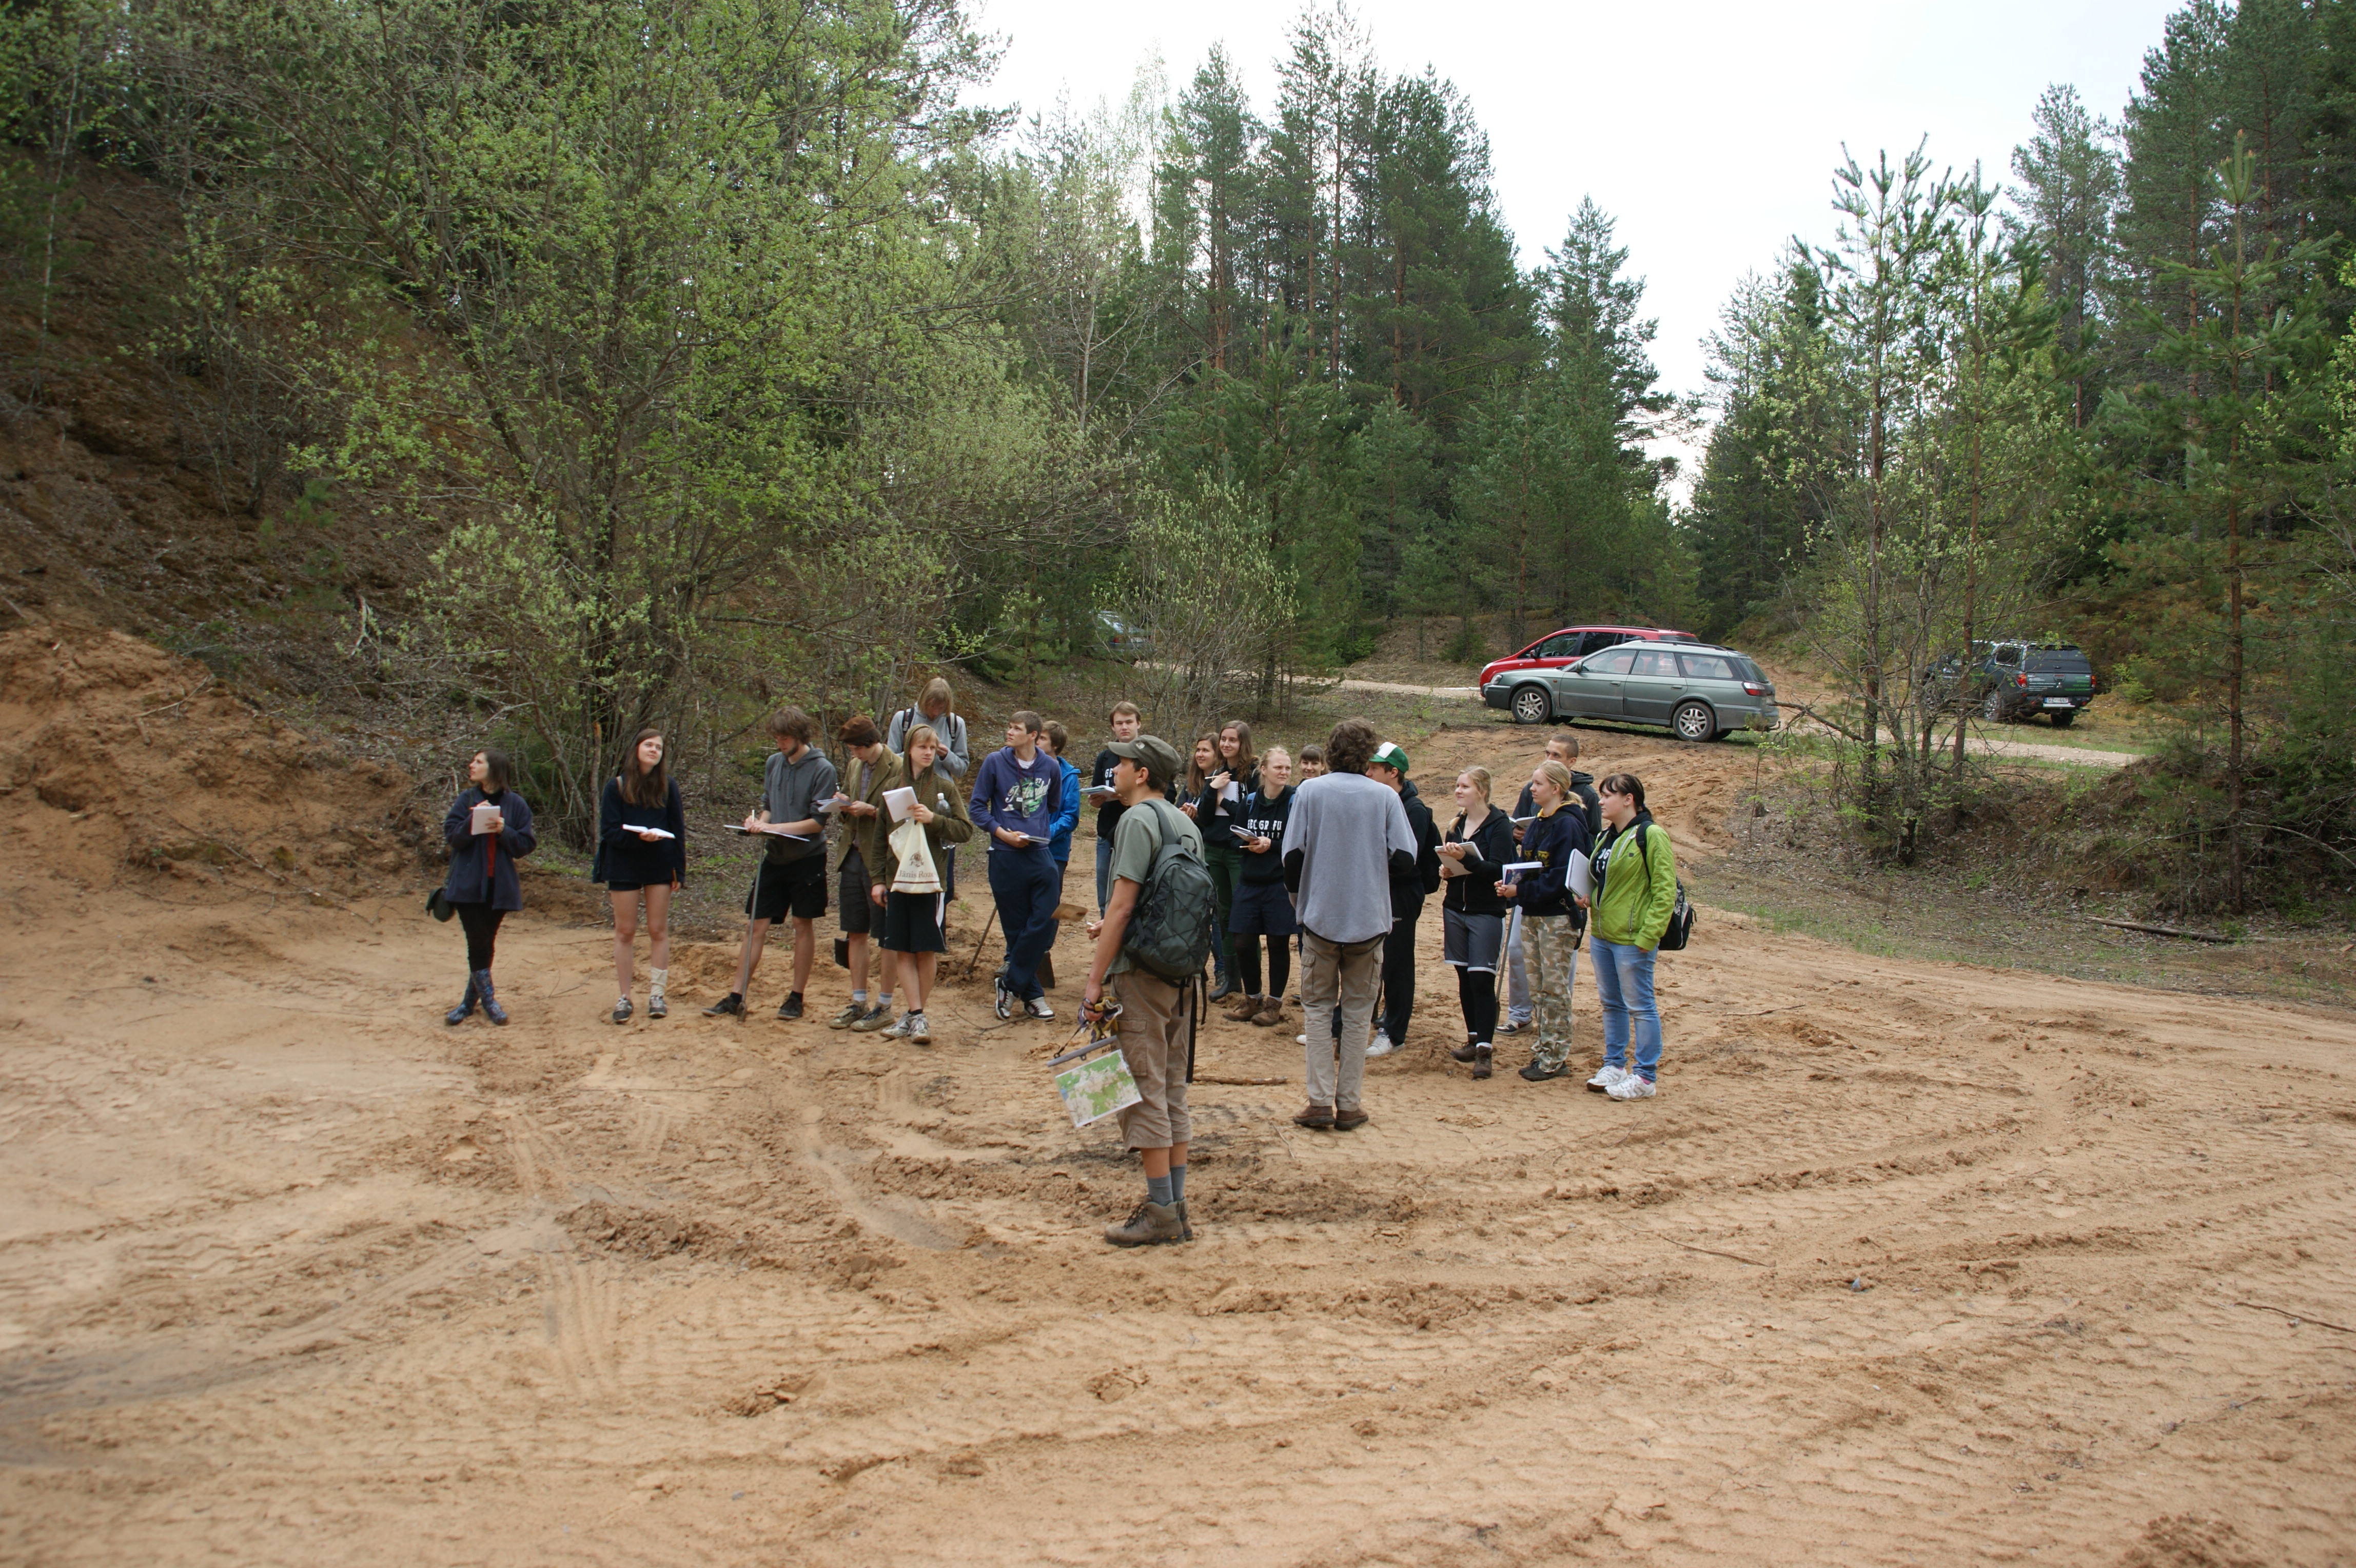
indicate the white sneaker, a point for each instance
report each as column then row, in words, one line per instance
column 920, row 1031
column 1602, row 1081
column 902, row 1029
column 1299, row 1039
column 1379, row 1044
column 1632, row 1086
column 1037, row 1008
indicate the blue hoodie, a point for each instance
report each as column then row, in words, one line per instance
column 1021, row 799
column 1067, row 815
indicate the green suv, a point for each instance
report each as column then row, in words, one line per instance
column 1698, row 691
column 2015, row 681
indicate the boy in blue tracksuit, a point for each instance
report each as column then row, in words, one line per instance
column 1018, row 793
column 1059, row 833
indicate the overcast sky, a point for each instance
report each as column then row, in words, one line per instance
column 1708, row 130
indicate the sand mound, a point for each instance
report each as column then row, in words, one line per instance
column 117, row 757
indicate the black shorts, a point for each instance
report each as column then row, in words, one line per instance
column 1261, row 910
column 912, row 923
column 792, row 889
column 858, row 916
column 1471, row 941
column 632, row 886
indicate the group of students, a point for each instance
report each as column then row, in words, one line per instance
column 1335, row 864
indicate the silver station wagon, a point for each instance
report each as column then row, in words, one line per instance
column 1698, row 691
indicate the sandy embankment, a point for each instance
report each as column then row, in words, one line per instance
column 291, row 1273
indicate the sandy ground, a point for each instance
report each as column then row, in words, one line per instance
column 1909, row 1263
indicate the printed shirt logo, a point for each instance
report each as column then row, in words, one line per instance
column 1024, row 797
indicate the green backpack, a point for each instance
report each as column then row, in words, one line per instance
column 1169, row 934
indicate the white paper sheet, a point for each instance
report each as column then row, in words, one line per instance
column 900, row 802
column 486, row 819
column 659, row 833
column 1513, row 866
column 1582, row 876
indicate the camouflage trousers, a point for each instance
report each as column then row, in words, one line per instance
column 1552, row 944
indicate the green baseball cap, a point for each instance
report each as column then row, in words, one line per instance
column 1158, row 755
column 1390, row 756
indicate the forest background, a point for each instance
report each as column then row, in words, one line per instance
column 691, row 352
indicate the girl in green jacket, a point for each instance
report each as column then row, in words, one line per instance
column 1636, row 891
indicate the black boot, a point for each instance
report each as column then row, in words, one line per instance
column 466, row 1008
column 491, row 1008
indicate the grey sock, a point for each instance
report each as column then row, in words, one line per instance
column 1177, row 1184
column 1157, row 1190
column 860, row 997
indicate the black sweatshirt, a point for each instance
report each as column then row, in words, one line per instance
column 1109, row 808
column 1265, row 819
column 622, row 855
column 1476, row 892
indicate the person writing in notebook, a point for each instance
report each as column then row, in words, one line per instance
column 790, row 881
column 488, row 829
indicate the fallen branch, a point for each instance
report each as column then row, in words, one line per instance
column 2296, row 1316
column 2161, row 931
column 1716, row 1253
column 1251, row 1082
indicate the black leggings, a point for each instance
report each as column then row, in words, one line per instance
column 1477, row 993
column 1280, row 964
column 482, row 924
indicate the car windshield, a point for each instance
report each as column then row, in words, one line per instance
column 2058, row 661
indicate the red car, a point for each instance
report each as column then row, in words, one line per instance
column 1557, row 648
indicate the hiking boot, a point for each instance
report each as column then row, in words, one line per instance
column 1185, row 1226
column 1635, row 1086
column 491, row 1008
column 622, row 1009
column 852, row 1013
column 1224, row 987
column 729, row 1007
column 1244, row 1006
column 1271, row 1013
column 791, row 1007
column 1154, row 1225
column 1464, row 1052
column 1349, row 1120
column 1537, row 1074
column 1482, row 1056
column 1037, row 1008
column 1602, row 1081
column 1318, row 1117
column 874, row 1019
column 466, row 1008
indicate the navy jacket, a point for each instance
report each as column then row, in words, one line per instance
column 482, row 870
column 1553, row 840
column 622, row 855
column 1476, row 892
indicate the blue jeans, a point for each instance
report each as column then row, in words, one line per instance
column 1104, row 874
column 1623, row 983
column 1025, row 884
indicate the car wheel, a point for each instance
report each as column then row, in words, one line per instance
column 1532, row 705
column 1694, row 721
column 2063, row 721
column 1993, row 709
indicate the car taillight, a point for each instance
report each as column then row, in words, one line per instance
column 2021, row 679
column 1754, row 689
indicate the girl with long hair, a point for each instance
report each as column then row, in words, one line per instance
column 1219, row 812
column 642, row 860
column 488, row 829
column 1474, row 855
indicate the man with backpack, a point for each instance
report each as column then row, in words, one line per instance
column 1158, row 918
column 1345, row 839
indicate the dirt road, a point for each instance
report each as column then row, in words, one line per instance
column 1909, row 1263
column 1989, row 744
